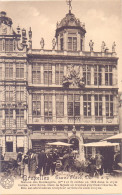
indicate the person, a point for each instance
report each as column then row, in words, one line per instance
column 49, row 163
column 117, row 160
column 99, row 163
column 42, row 159
column 54, row 159
column 20, row 161
column 32, row 163
column 25, row 160
column 92, row 167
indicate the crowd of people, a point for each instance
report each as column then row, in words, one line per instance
column 47, row 162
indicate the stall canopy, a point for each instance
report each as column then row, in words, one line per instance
column 59, row 144
column 115, row 138
column 100, row 144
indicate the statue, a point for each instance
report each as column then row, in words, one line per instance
column 103, row 46
column 91, row 44
column 42, row 43
column 53, row 43
column 113, row 47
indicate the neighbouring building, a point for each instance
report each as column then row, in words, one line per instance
column 64, row 94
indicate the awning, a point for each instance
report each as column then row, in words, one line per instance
column 47, row 137
column 100, row 144
column 115, row 138
column 59, row 144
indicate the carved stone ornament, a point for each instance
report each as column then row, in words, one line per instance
column 42, row 43
column 73, row 77
column 74, row 129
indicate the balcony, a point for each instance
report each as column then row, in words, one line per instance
column 70, row 53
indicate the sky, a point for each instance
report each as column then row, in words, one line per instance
column 102, row 18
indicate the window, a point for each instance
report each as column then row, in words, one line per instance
column 1, row 45
column 9, row 70
column 87, row 74
column 19, row 70
column 98, row 105
column 81, row 44
column 72, row 43
column 8, row 45
column 87, row 104
column 36, row 104
column 108, row 75
column 9, row 118
column 62, row 44
column 73, row 105
column 48, row 105
column 109, row 105
column 19, row 93
column 36, row 74
column 8, row 93
column 59, row 105
column 48, row 74
column 97, row 75
column 59, row 74
column 20, row 118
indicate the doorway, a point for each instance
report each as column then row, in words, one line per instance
column 9, row 146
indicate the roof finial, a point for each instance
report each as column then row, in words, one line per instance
column 70, row 6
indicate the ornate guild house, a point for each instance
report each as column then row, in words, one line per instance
column 64, row 94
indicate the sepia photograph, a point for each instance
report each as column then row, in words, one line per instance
column 61, row 97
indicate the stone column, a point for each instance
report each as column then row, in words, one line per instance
column 78, row 42
column 81, row 107
column 81, row 149
column 65, row 70
column 103, row 108
column 14, row 119
column 14, row 143
column 42, row 106
column 30, row 107
column 25, row 144
column 65, row 107
column 42, row 75
column 93, row 152
column 54, row 106
column 25, row 119
column 53, row 73
column 25, row 71
column 3, row 145
column 92, row 75
column 29, row 73
column 103, row 75
column 114, row 82
column 14, row 70
column 3, row 119
column 92, row 108
column 65, row 41
column 3, row 70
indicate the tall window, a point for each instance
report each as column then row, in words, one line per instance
column 87, row 104
column 59, row 73
column 98, row 105
column 109, row 105
column 9, row 118
column 87, row 74
column 62, row 44
column 97, row 75
column 8, row 93
column 72, row 43
column 73, row 105
column 47, row 73
column 108, row 75
column 1, row 45
column 20, row 118
column 19, row 93
column 9, row 70
column 59, row 105
column 19, row 70
column 36, row 104
column 36, row 73
column 48, row 105
column 8, row 45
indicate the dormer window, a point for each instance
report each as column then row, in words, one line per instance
column 62, row 44
column 72, row 43
column 8, row 45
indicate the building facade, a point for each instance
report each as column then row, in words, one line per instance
column 64, row 94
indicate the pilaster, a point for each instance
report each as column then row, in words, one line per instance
column 54, row 106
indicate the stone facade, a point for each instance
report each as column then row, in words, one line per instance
column 65, row 94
